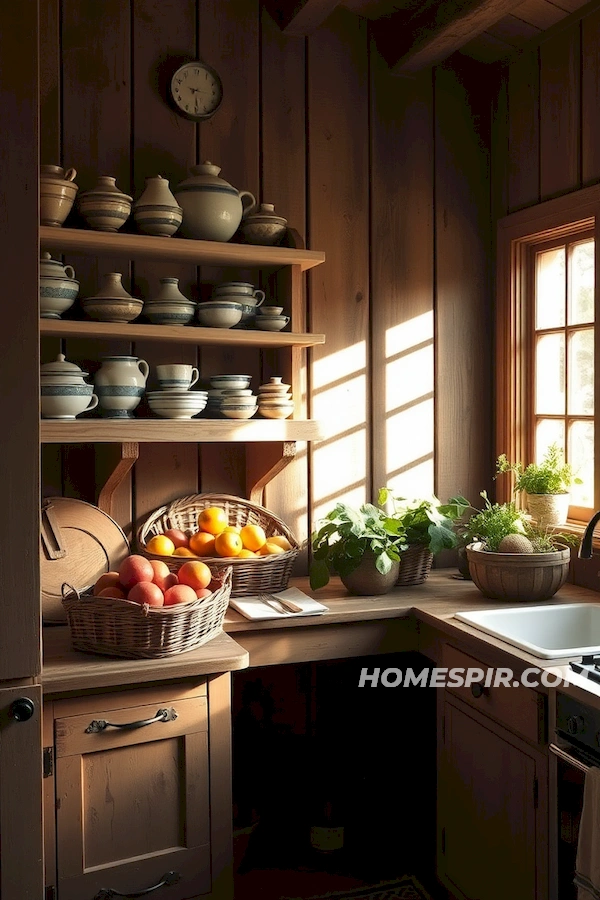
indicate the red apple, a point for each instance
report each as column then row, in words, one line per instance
column 179, row 538
column 179, row 593
column 134, row 569
column 112, row 591
column 146, row 592
column 109, row 579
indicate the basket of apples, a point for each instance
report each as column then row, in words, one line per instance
column 146, row 611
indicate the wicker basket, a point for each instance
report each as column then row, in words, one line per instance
column 415, row 564
column 114, row 627
column 250, row 576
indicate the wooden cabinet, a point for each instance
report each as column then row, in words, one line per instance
column 492, row 795
column 145, row 800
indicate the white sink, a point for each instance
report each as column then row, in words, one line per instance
column 550, row 632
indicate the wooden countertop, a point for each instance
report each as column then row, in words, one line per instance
column 425, row 608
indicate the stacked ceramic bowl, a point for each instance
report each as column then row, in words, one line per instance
column 232, row 397
column 275, row 400
column 177, row 404
column 239, row 294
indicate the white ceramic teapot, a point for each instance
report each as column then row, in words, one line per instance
column 212, row 208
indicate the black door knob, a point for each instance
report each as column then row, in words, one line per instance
column 22, row 709
column 477, row 689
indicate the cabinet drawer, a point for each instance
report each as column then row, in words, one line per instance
column 520, row 709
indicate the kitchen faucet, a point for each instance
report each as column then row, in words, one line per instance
column 585, row 548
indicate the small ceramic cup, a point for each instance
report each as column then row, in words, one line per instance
column 270, row 310
column 177, row 377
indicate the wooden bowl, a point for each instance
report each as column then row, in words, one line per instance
column 518, row 576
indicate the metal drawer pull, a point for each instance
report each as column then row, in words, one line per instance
column 162, row 715
column 566, row 757
column 167, row 879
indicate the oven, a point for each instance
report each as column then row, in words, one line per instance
column 576, row 747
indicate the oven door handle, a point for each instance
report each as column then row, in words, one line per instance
column 568, row 758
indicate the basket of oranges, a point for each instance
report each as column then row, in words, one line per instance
column 223, row 531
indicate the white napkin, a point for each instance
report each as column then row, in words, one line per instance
column 252, row 607
column 587, row 867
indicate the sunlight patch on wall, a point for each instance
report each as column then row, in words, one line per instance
column 409, row 407
column 339, row 463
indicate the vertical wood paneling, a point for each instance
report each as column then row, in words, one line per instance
column 463, row 307
column 560, row 118
column 228, row 39
column 339, row 290
column 402, row 281
column 50, row 63
column 283, row 182
column 499, row 146
column 590, row 98
column 524, row 131
column 164, row 144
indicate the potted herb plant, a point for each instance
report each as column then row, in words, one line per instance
column 545, row 484
column 429, row 526
column 362, row 545
column 511, row 559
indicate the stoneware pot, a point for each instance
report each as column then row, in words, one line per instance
column 105, row 207
column 367, row 580
column 169, row 306
column 518, row 576
column 112, row 303
column 262, row 226
column 212, row 208
column 548, row 509
column 57, row 194
column 61, row 372
column 119, row 383
column 223, row 313
column 157, row 211
column 58, row 287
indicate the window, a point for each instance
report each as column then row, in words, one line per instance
column 547, row 342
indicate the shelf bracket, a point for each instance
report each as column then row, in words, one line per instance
column 263, row 463
column 130, row 450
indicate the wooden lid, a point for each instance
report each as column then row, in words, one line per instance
column 78, row 544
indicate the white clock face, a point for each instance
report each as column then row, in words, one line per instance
column 197, row 90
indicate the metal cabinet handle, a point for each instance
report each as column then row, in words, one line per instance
column 477, row 689
column 162, row 715
column 167, row 879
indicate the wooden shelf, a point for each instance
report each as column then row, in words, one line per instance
column 198, row 253
column 83, row 431
column 186, row 334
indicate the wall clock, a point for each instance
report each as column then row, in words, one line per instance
column 196, row 90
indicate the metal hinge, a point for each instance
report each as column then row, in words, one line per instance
column 48, row 762
column 443, row 840
column 50, row 892
column 536, row 793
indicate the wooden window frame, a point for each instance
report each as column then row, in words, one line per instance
column 574, row 214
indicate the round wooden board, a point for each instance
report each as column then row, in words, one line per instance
column 93, row 544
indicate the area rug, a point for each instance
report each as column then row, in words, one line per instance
column 407, row 888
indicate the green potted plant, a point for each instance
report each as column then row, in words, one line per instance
column 430, row 528
column 362, row 545
column 512, row 559
column 545, row 484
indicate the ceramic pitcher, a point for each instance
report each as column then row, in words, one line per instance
column 119, row 384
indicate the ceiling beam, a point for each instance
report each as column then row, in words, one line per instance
column 301, row 17
column 434, row 33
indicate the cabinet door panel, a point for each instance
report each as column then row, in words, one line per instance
column 487, row 810
column 126, row 815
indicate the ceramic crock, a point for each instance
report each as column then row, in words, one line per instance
column 57, row 193
column 105, row 207
column 262, row 226
column 64, row 392
column 58, row 287
column 212, row 208
column 157, row 211
column 169, row 306
column 112, row 303
column 119, row 383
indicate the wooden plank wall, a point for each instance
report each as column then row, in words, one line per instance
column 369, row 168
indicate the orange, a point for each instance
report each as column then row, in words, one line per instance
column 161, row 545
column 228, row 544
column 183, row 551
column 195, row 574
column 235, row 529
column 253, row 537
column 202, row 543
column 246, row 554
column 212, row 519
column 269, row 548
column 281, row 541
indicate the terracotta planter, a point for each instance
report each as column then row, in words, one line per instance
column 548, row 509
column 367, row 581
column 518, row 576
